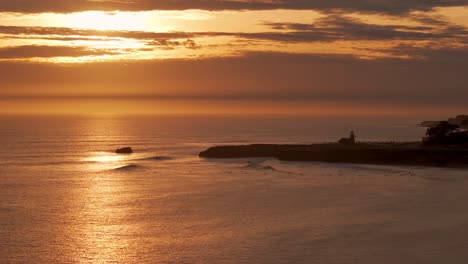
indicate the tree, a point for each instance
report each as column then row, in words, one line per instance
column 446, row 134
column 443, row 129
column 464, row 124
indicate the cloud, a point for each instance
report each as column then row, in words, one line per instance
column 47, row 31
column 336, row 27
column 331, row 28
column 171, row 44
column 382, row 6
column 33, row 51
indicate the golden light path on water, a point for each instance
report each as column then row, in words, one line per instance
column 101, row 228
column 104, row 160
column 100, row 240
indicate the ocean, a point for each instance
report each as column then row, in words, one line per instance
column 66, row 197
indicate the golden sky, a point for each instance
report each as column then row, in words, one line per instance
column 290, row 56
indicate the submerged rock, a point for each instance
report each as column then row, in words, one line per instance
column 126, row 150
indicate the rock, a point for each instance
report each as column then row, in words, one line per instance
column 126, row 150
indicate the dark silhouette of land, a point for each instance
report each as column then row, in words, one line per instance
column 446, row 145
column 364, row 153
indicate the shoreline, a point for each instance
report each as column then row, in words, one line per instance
column 373, row 153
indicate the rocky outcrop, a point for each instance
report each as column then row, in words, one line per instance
column 126, row 150
column 251, row 151
column 380, row 154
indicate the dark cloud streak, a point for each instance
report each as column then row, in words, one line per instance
column 33, row 51
column 381, row 6
column 336, row 27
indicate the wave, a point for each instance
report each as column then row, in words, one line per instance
column 47, row 163
column 259, row 166
column 129, row 167
column 157, row 158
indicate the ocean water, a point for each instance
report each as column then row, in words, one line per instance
column 65, row 197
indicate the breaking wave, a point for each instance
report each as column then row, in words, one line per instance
column 259, row 166
column 129, row 167
column 157, row 158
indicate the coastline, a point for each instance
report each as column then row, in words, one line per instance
column 375, row 153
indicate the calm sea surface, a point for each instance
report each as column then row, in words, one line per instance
column 65, row 197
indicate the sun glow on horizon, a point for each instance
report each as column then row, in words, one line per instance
column 97, row 20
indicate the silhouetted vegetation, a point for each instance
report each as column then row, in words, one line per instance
column 445, row 133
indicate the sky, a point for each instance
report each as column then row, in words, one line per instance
column 334, row 57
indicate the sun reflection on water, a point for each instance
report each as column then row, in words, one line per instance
column 105, row 158
column 102, row 161
column 104, row 219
